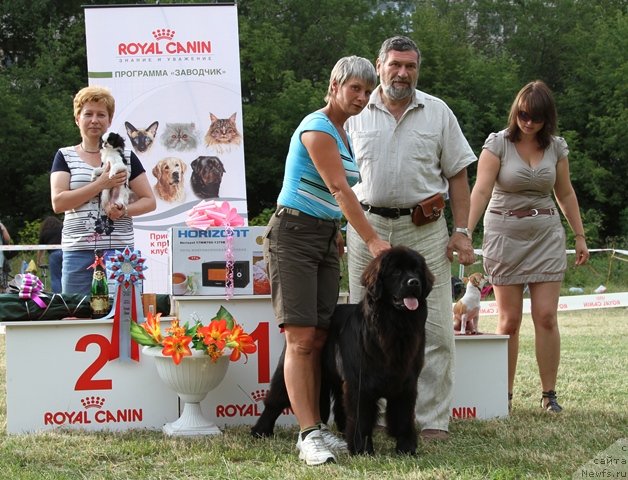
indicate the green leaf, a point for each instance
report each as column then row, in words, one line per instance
column 192, row 331
column 141, row 336
column 223, row 314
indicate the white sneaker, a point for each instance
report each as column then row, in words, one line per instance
column 335, row 443
column 314, row 450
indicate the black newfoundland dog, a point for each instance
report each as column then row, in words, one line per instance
column 374, row 350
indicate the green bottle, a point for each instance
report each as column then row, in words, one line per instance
column 99, row 300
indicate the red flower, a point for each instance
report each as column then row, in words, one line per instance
column 177, row 348
column 214, row 336
column 240, row 342
column 178, row 340
column 151, row 325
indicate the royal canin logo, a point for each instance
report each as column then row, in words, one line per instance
column 246, row 409
column 164, row 44
column 99, row 415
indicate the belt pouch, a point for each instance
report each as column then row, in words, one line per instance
column 429, row 210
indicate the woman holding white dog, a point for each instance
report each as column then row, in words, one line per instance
column 86, row 227
column 524, row 240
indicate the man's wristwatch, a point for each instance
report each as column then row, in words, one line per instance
column 464, row 231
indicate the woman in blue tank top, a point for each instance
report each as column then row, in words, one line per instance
column 303, row 243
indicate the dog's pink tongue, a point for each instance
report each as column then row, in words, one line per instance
column 411, row 303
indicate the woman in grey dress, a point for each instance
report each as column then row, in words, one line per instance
column 524, row 240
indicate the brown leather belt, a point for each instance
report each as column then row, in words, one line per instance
column 525, row 213
column 386, row 212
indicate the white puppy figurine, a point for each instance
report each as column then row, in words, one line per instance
column 467, row 309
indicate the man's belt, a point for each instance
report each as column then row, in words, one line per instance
column 388, row 212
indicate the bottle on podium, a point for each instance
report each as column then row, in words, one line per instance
column 99, row 300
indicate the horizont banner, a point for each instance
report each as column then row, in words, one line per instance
column 174, row 71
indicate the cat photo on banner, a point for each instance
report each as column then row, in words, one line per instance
column 142, row 139
column 180, row 137
column 222, row 133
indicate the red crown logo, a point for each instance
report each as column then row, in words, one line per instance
column 93, row 402
column 163, row 34
column 259, row 395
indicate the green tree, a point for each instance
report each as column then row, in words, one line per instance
column 476, row 56
column 288, row 49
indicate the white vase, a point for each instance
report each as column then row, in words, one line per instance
column 192, row 379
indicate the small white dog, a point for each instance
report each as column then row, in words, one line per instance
column 467, row 309
column 112, row 152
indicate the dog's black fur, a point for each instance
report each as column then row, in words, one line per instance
column 207, row 175
column 374, row 350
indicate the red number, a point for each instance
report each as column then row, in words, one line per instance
column 260, row 335
column 86, row 380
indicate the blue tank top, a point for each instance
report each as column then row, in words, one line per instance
column 303, row 187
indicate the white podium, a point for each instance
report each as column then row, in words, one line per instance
column 481, row 378
column 58, row 374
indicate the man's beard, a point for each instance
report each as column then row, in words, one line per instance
column 397, row 93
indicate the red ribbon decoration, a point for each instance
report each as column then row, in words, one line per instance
column 98, row 261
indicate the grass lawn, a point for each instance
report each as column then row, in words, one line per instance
column 592, row 387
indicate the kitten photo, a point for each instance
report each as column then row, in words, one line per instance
column 141, row 138
column 222, row 133
column 180, row 136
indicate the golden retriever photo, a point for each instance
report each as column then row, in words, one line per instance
column 169, row 173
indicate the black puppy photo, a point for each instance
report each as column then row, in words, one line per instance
column 374, row 350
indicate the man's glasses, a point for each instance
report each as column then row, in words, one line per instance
column 526, row 117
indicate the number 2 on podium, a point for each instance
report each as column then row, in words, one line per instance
column 86, row 380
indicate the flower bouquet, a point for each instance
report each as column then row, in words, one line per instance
column 222, row 333
column 192, row 360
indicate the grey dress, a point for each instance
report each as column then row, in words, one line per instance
column 527, row 249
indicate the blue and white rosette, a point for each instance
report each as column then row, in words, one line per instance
column 126, row 267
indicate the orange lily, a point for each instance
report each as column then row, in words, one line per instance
column 151, row 325
column 214, row 334
column 240, row 342
column 177, row 347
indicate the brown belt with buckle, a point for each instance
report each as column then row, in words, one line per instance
column 525, row 213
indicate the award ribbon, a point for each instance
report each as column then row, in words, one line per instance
column 127, row 269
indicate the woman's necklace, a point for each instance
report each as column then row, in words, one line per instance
column 88, row 151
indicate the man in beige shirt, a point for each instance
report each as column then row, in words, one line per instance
column 409, row 147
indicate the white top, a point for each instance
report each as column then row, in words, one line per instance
column 404, row 163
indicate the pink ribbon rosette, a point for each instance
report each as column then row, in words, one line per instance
column 30, row 287
column 209, row 213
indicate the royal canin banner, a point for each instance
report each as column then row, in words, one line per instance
column 174, row 71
